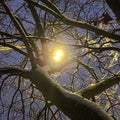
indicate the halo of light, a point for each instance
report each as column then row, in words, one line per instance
column 57, row 56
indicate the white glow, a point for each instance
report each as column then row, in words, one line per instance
column 58, row 55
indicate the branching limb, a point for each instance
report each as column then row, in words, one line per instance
column 15, row 71
column 8, row 35
column 79, row 24
column 21, row 31
column 73, row 106
column 99, row 87
column 39, row 32
column 14, row 48
column 46, row 9
column 52, row 6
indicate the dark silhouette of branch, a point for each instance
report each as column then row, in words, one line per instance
column 39, row 32
column 8, row 35
column 15, row 71
column 46, row 9
column 79, row 24
column 14, row 48
column 21, row 31
column 52, row 6
column 85, row 46
column 115, row 7
column 72, row 105
column 100, row 49
column 96, row 89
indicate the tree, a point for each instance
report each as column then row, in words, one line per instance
column 37, row 82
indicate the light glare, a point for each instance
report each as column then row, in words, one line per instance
column 58, row 55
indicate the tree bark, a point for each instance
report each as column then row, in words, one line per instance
column 99, row 87
column 74, row 106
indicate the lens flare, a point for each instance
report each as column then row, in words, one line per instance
column 58, row 55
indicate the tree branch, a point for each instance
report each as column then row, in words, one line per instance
column 79, row 24
column 91, row 91
column 14, row 48
column 115, row 7
column 52, row 6
column 21, row 31
column 9, row 35
column 72, row 105
column 39, row 32
column 15, row 71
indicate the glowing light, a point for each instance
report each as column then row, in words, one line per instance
column 58, row 55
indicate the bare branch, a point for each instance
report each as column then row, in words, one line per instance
column 14, row 48
column 15, row 71
column 115, row 7
column 39, row 32
column 96, row 89
column 79, row 24
column 73, row 106
column 21, row 31
column 52, row 6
